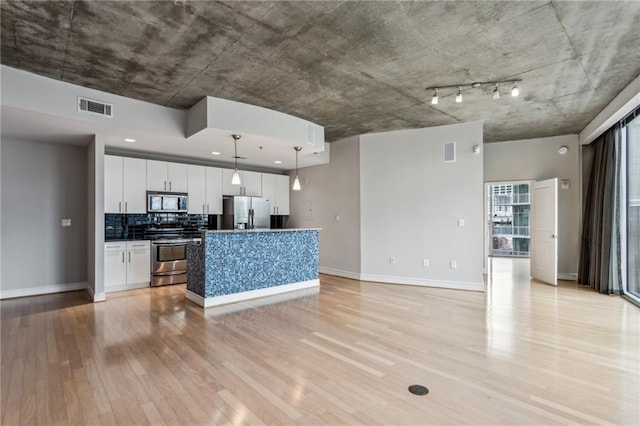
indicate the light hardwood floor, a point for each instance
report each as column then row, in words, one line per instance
column 521, row 353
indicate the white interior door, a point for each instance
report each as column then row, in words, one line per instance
column 544, row 231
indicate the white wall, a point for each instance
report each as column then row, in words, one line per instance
column 32, row 92
column 538, row 159
column 95, row 219
column 332, row 190
column 42, row 184
column 411, row 202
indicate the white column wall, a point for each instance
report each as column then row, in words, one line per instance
column 411, row 204
column 332, row 193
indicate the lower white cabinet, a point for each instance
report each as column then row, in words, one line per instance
column 127, row 265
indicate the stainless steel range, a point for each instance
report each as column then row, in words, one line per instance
column 168, row 255
column 169, row 261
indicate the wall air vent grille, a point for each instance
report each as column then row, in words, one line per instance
column 95, row 107
column 311, row 135
column 449, row 152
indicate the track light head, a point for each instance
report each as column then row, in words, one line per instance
column 514, row 90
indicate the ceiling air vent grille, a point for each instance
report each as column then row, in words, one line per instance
column 449, row 152
column 95, row 107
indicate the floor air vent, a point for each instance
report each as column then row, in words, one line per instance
column 95, row 107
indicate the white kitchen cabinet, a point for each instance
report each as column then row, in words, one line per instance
column 127, row 265
column 115, row 266
column 276, row 189
column 214, row 190
column 166, row 176
column 282, row 194
column 269, row 190
column 205, row 190
column 113, row 185
column 250, row 183
column 197, row 189
column 138, row 262
column 124, row 185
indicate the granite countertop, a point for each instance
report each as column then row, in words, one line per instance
column 260, row 230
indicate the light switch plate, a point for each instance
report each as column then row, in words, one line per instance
column 66, row 223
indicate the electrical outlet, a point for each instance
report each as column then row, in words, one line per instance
column 460, row 223
column 392, row 260
column 425, row 263
column 454, row 264
column 337, row 218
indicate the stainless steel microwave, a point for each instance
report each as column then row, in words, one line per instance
column 167, row 202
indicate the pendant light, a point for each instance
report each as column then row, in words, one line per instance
column 235, row 178
column 296, row 181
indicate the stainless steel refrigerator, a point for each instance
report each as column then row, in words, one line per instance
column 246, row 213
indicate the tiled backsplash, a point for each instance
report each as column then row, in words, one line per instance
column 132, row 226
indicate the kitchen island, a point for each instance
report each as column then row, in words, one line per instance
column 231, row 266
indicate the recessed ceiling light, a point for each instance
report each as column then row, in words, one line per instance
column 129, row 140
column 278, row 162
column 215, row 153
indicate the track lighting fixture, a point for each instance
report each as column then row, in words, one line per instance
column 515, row 90
column 296, row 181
column 459, row 95
column 235, row 178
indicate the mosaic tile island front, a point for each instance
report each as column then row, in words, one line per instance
column 235, row 265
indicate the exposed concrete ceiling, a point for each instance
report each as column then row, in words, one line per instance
column 352, row 67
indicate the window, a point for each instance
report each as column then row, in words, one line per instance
column 509, row 207
column 633, row 207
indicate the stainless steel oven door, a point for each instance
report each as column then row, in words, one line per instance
column 168, row 257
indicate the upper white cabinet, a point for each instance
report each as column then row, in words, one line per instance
column 205, row 190
column 125, row 184
column 282, row 194
column 113, row 185
column 165, row 176
column 250, row 183
column 276, row 189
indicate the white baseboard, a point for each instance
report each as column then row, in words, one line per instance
column 569, row 276
column 96, row 297
column 252, row 294
column 125, row 287
column 456, row 285
column 48, row 289
column 339, row 273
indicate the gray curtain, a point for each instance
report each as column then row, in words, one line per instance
column 600, row 264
